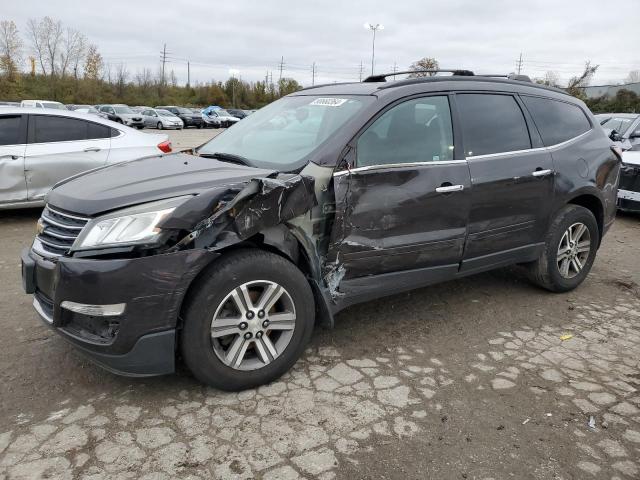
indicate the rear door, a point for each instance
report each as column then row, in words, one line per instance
column 402, row 207
column 13, row 139
column 512, row 178
column 59, row 147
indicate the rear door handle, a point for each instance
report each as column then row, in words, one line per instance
column 542, row 173
column 92, row 149
column 450, row 188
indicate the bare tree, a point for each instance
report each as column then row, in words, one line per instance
column 144, row 78
column 122, row 75
column 551, row 78
column 72, row 50
column 10, row 49
column 426, row 63
column 633, row 77
column 576, row 84
column 46, row 37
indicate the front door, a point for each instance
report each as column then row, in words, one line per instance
column 512, row 181
column 402, row 204
column 59, row 147
column 13, row 133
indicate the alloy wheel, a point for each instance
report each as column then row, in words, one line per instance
column 574, row 250
column 253, row 325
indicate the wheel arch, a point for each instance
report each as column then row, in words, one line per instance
column 280, row 241
column 594, row 204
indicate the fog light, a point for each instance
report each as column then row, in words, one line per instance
column 112, row 310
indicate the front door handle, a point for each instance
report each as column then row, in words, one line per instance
column 450, row 188
column 92, row 149
column 542, row 173
column 10, row 157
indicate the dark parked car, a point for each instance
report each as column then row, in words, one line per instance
column 328, row 197
column 237, row 113
column 629, row 186
column 123, row 114
column 189, row 119
column 624, row 129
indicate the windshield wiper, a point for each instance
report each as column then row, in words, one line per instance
column 228, row 157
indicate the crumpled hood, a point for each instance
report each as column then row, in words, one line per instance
column 146, row 180
column 631, row 157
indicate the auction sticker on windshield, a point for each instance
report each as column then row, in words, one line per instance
column 329, row 102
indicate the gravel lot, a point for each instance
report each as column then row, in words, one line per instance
column 469, row 379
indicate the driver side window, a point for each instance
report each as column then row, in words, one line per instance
column 417, row 130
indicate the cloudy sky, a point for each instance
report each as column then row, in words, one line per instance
column 251, row 36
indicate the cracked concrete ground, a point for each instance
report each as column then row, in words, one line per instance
column 486, row 377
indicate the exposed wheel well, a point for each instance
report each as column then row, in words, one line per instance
column 592, row 203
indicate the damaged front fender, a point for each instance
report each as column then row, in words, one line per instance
column 237, row 212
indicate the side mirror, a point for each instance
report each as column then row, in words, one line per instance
column 635, row 134
column 615, row 136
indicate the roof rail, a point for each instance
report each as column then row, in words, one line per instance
column 383, row 76
column 462, row 73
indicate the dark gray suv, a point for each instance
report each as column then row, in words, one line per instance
column 328, row 197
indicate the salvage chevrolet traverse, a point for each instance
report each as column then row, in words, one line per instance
column 328, row 197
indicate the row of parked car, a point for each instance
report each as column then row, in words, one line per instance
column 160, row 117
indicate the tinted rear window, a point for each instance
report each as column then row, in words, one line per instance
column 492, row 124
column 49, row 128
column 10, row 130
column 557, row 121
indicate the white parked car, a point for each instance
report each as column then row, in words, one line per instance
column 40, row 147
column 42, row 104
column 159, row 118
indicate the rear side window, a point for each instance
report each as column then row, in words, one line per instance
column 10, row 130
column 48, row 128
column 557, row 121
column 492, row 124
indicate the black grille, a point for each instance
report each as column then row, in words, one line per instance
column 57, row 231
column 630, row 178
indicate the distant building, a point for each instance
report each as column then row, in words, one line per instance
column 597, row 91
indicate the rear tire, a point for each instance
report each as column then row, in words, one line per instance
column 212, row 306
column 569, row 252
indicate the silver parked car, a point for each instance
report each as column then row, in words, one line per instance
column 159, row 118
column 624, row 129
column 59, row 144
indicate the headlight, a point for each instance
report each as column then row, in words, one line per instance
column 135, row 225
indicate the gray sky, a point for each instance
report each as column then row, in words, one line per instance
column 485, row 36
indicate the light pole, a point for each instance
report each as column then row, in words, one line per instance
column 373, row 28
column 233, row 72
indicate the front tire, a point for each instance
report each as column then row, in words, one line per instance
column 159, row 126
column 247, row 321
column 569, row 252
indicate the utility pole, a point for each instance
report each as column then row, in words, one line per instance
column 395, row 69
column 361, row 70
column 163, row 59
column 281, row 67
column 313, row 74
column 519, row 63
column 188, row 74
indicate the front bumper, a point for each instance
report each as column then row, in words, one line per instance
column 628, row 200
column 140, row 341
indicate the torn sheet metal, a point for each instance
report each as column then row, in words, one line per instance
column 247, row 209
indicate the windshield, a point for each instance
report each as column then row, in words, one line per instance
column 57, row 106
column 165, row 113
column 619, row 124
column 221, row 112
column 184, row 110
column 123, row 110
column 282, row 134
